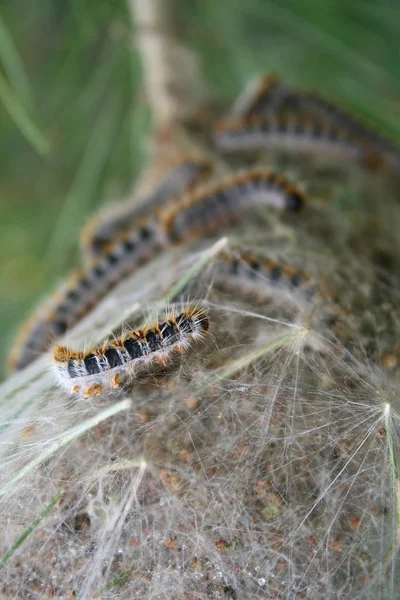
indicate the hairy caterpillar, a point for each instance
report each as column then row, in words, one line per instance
column 293, row 132
column 104, row 227
column 117, row 361
column 317, row 106
column 268, row 94
column 218, row 204
column 255, row 272
column 82, row 291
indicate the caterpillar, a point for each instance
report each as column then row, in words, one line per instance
column 261, row 94
column 292, row 132
column 219, row 204
column 105, row 226
column 268, row 94
column 256, row 273
column 118, row 361
column 313, row 104
column 82, row 291
column 251, row 274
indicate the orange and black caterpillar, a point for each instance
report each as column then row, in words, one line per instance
column 216, row 205
column 254, row 272
column 104, row 227
column 313, row 104
column 83, row 290
column 295, row 133
column 267, row 94
column 118, row 361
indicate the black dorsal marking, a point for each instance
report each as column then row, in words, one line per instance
column 294, row 201
column 276, row 274
column 184, row 324
column 112, row 259
column 98, row 271
column 168, row 331
column 129, row 245
column 72, row 295
column 113, row 357
column 295, row 280
column 153, row 341
column 59, row 327
column 133, row 348
column 254, row 268
column 91, row 364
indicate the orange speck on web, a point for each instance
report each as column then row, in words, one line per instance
column 115, row 382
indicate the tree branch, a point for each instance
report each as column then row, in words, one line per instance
column 173, row 79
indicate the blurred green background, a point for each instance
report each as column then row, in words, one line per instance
column 73, row 113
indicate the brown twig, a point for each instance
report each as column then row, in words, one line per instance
column 174, row 84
